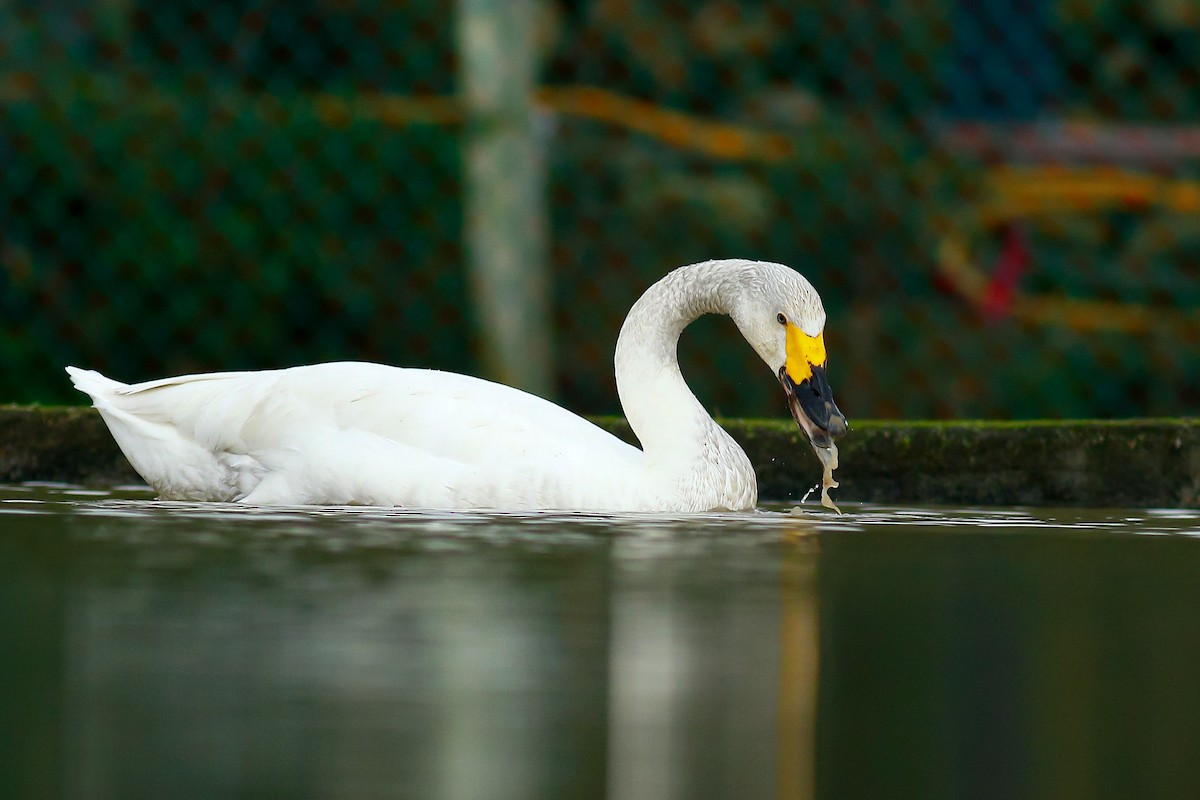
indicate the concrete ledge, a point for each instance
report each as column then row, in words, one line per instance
column 1134, row 463
column 67, row 444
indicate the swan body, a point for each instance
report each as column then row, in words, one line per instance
column 360, row 433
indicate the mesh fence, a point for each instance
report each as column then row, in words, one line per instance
column 999, row 201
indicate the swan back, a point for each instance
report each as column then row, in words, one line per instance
column 360, row 433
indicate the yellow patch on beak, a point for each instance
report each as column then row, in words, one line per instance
column 803, row 353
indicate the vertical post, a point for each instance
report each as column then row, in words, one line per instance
column 504, row 186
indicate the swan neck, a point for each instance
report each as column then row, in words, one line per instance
column 663, row 412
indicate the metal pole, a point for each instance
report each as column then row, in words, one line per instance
column 504, row 187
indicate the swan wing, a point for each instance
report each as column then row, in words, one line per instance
column 357, row 433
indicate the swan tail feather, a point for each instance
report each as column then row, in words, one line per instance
column 175, row 466
column 93, row 384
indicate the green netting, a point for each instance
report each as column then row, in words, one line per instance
column 201, row 186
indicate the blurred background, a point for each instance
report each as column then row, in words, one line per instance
column 998, row 201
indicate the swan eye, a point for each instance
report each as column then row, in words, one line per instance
column 781, row 318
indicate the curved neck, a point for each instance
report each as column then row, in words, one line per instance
column 662, row 411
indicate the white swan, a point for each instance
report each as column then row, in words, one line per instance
column 356, row 433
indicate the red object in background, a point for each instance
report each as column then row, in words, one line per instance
column 1001, row 290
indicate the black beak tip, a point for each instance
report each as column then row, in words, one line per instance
column 812, row 406
column 838, row 425
column 813, row 401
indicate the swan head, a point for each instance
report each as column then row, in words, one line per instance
column 781, row 315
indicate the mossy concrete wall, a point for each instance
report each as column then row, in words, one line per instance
column 69, row 444
column 1135, row 463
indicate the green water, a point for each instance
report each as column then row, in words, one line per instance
column 201, row 651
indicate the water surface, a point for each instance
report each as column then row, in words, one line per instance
column 176, row 650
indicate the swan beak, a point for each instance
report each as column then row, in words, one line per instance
column 804, row 382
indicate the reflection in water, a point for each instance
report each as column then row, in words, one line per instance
column 210, row 651
column 172, row 650
column 316, row 669
column 696, row 671
column 799, row 655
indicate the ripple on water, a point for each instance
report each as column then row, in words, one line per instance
column 128, row 503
